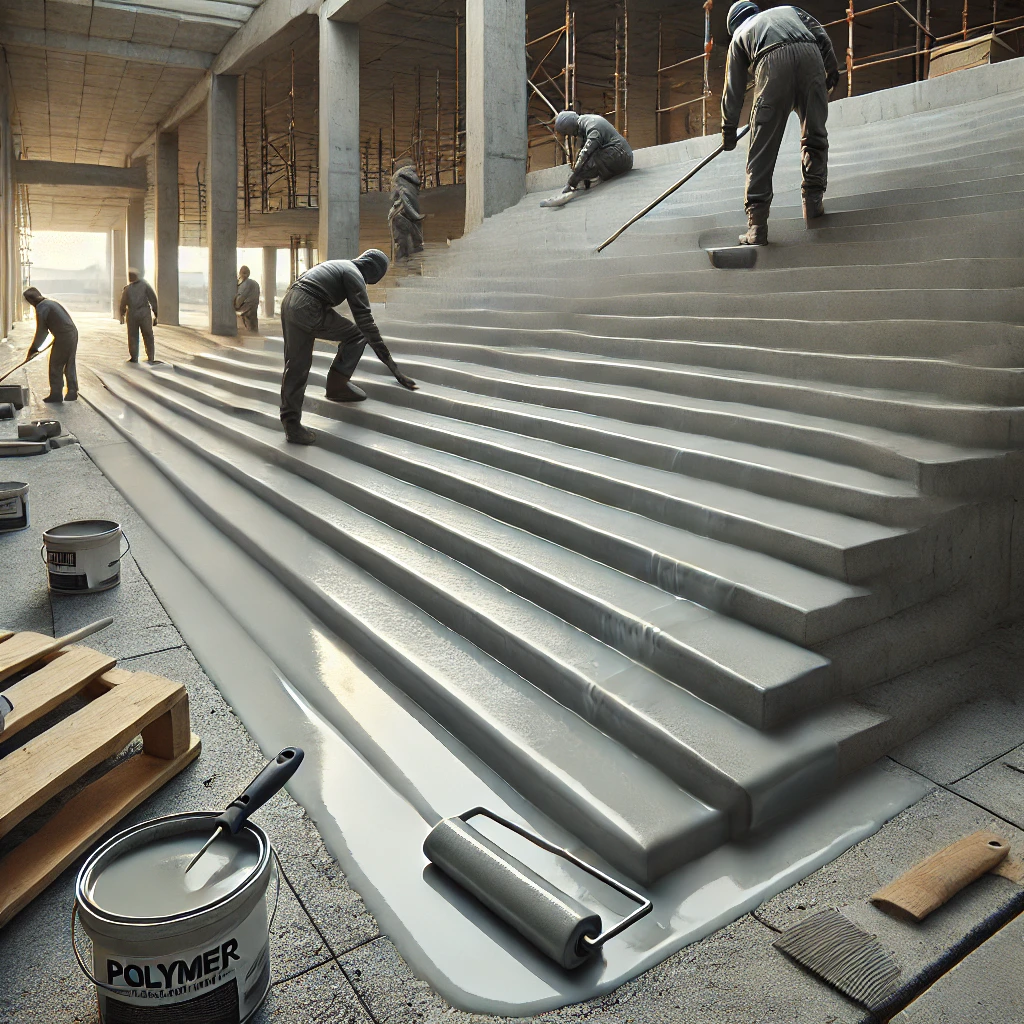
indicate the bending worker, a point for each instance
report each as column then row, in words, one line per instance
column 604, row 153
column 138, row 303
column 52, row 318
column 247, row 300
column 794, row 68
column 307, row 313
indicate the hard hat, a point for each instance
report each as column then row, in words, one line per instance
column 373, row 265
column 738, row 13
column 567, row 122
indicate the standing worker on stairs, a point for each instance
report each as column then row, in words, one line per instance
column 604, row 152
column 52, row 318
column 307, row 313
column 794, row 68
column 138, row 304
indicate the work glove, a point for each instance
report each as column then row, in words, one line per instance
column 571, row 184
column 728, row 138
column 832, row 81
column 406, row 382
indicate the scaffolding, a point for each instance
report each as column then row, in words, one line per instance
column 543, row 83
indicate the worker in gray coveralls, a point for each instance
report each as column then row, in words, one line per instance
column 307, row 313
column 138, row 304
column 247, row 300
column 794, row 68
column 603, row 154
column 52, row 318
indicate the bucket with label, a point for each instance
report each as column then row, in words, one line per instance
column 191, row 948
column 84, row 557
column 176, row 909
column 13, row 506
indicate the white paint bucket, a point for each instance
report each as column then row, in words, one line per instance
column 173, row 948
column 85, row 556
column 13, row 506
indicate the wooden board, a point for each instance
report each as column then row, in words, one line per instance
column 121, row 706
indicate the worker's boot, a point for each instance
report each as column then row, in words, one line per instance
column 814, row 206
column 340, row 390
column 71, row 396
column 296, row 433
column 757, row 225
column 54, row 398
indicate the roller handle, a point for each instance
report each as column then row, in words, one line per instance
column 261, row 789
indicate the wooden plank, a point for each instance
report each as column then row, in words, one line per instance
column 36, row 862
column 168, row 737
column 62, row 676
column 21, row 650
column 46, row 764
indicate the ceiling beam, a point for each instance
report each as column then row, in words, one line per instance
column 140, row 53
column 55, row 172
column 352, row 11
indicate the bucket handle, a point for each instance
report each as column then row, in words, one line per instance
column 121, row 991
column 110, row 565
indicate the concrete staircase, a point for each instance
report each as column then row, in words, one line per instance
column 649, row 528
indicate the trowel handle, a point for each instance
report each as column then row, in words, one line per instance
column 261, row 789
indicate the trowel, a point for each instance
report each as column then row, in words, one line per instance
column 258, row 792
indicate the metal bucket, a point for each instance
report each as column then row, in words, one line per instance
column 173, row 948
column 85, row 556
column 13, row 506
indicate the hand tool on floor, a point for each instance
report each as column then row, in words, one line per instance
column 259, row 791
column 25, row 362
column 847, row 957
column 926, row 886
column 700, row 165
column 556, row 923
column 16, row 659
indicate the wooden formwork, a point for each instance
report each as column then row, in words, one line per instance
column 120, row 707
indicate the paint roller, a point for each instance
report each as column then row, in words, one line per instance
column 557, row 924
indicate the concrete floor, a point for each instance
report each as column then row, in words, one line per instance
column 330, row 961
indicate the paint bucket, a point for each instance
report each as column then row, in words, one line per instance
column 173, row 948
column 85, row 556
column 13, row 506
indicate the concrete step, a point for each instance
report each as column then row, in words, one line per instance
column 559, row 762
column 750, row 775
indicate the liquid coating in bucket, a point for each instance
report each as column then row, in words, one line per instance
column 150, row 881
column 82, row 528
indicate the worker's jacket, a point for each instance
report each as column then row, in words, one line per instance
column 137, row 299
column 597, row 133
column 247, row 298
column 336, row 281
column 758, row 36
column 52, row 318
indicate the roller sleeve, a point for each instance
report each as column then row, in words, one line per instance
column 549, row 918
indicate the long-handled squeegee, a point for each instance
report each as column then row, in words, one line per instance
column 556, row 923
column 672, row 188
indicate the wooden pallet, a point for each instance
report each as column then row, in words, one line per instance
column 121, row 706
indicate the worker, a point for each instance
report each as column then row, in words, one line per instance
column 138, row 304
column 52, row 318
column 794, row 68
column 404, row 217
column 307, row 313
column 247, row 300
column 604, row 153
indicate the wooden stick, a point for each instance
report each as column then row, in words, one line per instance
column 664, row 195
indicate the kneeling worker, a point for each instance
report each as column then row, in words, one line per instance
column 794, row 68
column 307, row 313
column 604, row 153
column 52, row 318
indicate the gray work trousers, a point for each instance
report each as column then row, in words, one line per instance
column 407, row 235
column 606, row 162
column 787, row 79
column 62, row 363
column 145, row 325
column 304, row 318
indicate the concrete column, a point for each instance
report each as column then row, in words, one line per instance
column 339, row 140
column 137, row 229
column 222, row 201
column 495, row 107
column 165, row 241
column 118, row 267
column 268, row 292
